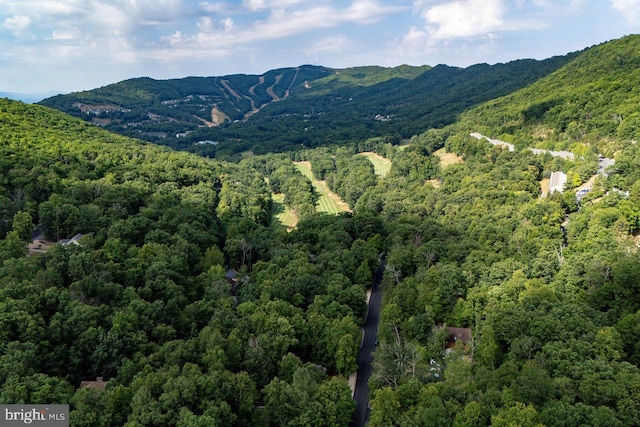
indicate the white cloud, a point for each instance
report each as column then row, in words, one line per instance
column 555, row 4
column 255, row 4
column 369, row 11
column 41, row 7
column 549, row 9
column 125, row 15
column 418, row 47
column 228, row 24
column 205, row 24
column 331, row 44
column 283, row 23
column 63, row 35
column 465, row 18
column 280, row 23
column 174, row 39
column 217, row 7
column 110, row 20
column 269, row 4
column 578, row 4
column 414, row 44
column 630, row 9
column 18, row 24
column 464, row 32
column 471, row 18
column 415, row 47
column 116, row 29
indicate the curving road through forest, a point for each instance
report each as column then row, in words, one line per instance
column 365, row 355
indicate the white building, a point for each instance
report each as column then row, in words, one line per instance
column 557, row 182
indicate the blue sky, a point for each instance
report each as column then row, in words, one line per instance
column 68, row 45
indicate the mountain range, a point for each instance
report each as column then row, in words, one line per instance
column 305, row 106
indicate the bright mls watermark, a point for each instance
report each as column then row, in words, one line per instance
column 37, row 415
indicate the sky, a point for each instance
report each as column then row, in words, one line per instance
column 61, row 46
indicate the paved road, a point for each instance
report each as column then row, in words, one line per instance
column 365, row 355
column 497, row 142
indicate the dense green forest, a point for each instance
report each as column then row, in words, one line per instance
column 199, row 312
column 143, row 300
column 552, row 315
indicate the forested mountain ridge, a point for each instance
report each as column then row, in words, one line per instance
column 234, row 95
column 293, row 107
column 593, row 100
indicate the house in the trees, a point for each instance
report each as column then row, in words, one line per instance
column 75, row 240
column 99, row 383
column 458, row 334
column 232, row 278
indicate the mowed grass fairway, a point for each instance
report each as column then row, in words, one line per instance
column 328, row 201
column 282, row 216
column 381, row 165
column 305, row 169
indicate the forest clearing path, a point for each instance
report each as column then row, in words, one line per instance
column 252, row 89
column 272, row 94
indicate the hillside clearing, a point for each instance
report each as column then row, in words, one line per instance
column 381, row 165
column 217, row 117
column 40, row 246
column 544, row 186
column 434, row 182
column 404, row 144
column 328, row 201
column 447, row 159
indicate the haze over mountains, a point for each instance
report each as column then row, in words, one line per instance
column 29, row 98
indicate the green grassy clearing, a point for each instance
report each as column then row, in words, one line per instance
column 305, row 169
column 404, row 144
column 282, row 216
column 327, row 201
column 381, row 165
